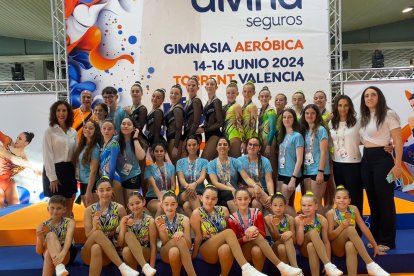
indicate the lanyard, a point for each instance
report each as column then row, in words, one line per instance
column 192, row 167
column 215, row 220
column 249, row 219
column 311, row 141
column 163, row 177
column 286, row 143
column 340, row 140
column 171, row 227
column 224, row 171
column 254, row 170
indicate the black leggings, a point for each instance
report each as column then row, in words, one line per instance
column 376, row 163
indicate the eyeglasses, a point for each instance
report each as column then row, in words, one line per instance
column 108, row 96
column 253, row 145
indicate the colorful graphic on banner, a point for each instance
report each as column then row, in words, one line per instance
column 103, row 46
column 277, row 43
column 20, row 162
column 397, row 94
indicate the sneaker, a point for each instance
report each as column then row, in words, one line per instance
column 287, row 270
column 60, row 270
column 375, row 270
column 332, row 270
column 148, row 270
column 127, row 271
column 251, row 271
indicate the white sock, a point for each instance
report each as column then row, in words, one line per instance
column 281, row 265
column 370, row 264
column 246, row 266
column 328, row 264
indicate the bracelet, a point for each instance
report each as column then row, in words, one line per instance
column 135, row 138
column 294, row 176
column 321, row 171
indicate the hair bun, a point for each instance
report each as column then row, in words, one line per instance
column 339, row 187
column 250, row 81
column 233, row 81
column 265, row 88
column 309, row 193
column 138, row 82
column 279, row 193
column 209, row 185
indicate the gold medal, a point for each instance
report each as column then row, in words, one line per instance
column 130, row 222
column 276, row 221
column 308, row 221
column 45, row 229
column 348, row 215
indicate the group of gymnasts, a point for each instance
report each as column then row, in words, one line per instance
column 254, row 162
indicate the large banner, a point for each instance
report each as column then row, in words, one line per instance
column 282, row 44
column 397, row 94
column 23, row 113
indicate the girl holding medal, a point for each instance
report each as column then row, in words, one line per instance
column 248, row 225
column 87, row 157
column 161, row 178
column 138, row 235
column 108, row 158
column 344, row 238
column 193, row 110
column 291, row 146
column 312, row 236
column 344, row 128
column 233, row 122
column 131, row 153
column 316, row 162
column 249, row 114
column 267, row 129
column 258, row 169
column 175, row 234
column 281, row 227
column 101, row 221
column 213, row 120
column 174, row 119
column 212, row 240
column 191, row 173
column 223, row 172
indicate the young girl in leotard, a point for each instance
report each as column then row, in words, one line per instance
column 312, row 236
column 248, row 225
column 249, row 114
column 344, row 237
column 233, row 122
column 175, row 234
column 138, row 235
column 212, row 240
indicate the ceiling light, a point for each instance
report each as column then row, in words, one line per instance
column 407, row 9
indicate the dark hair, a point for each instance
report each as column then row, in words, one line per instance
column 341, row 188
column 192, row 137
column 104, row 107
column 137, row 194
column 109, row 90
column 283, row 95
column 223, row 138
column 259, row 156
column 411, row 97
column 194, row 78
column 137, row 84
column 103, row 179
column 320, row 91
column 178, row 86
column 242, row 190
column 300, row 92
column 169, row 193
column 156, row 144
column 233, row 83
column 380, row 110
column 304, row 126
column 351, row 116
column 265, row 88
column 161, row 90
column 29, row 136
column 278, row 195
column 122, row 141
column 57, row 199
column 210, row 187
column 53, row 118
column 96, row 139
column 282, row 129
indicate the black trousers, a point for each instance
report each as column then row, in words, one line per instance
column 349, row 175
column 376, row 163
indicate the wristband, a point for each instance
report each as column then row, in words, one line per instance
column 135, row 138
column 294, row 176
column 321, row 171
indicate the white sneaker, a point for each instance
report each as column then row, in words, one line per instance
column 148, row 270
column 375, row 270
column 287, row 270
column 251, row 271
column 127, row 271
column 332, row 270
column 60, row 270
